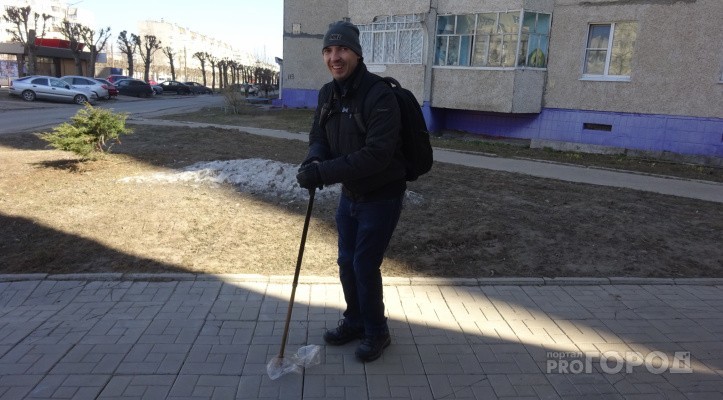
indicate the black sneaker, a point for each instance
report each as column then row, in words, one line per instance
column 372, row 347
column 342, row 334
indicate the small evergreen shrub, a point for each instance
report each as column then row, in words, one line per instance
column 91, row 132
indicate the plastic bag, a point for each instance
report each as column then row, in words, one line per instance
column 306, row 356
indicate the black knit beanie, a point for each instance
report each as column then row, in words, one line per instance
column 343, row 33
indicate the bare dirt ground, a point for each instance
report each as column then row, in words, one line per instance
column 60, row 216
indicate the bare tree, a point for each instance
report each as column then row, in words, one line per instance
column 73, row 32
column 168, row 51
column 25, row 33
column 128, row 45
column 247, row 72
column 202, row 59
column 149, row 46
column 224, row 72
column 213, row 61
column 95, row 45
column 231, row 65
column 221, row 65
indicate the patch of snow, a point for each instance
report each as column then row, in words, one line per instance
column 257, row 176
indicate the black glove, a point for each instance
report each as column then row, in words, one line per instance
column 309, row 177
column 308, row 161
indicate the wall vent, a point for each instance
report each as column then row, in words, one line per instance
column 588, row 126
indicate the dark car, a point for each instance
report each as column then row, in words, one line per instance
column 197, row 88
column 175, row 87
column 156, row 88
column 134, row 87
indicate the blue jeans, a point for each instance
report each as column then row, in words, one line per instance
column 365, row 229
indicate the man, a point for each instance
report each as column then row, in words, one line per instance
column 370, row 167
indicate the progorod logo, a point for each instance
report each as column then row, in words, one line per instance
column 613, row 362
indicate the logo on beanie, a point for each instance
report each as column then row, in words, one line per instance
column 335, row 36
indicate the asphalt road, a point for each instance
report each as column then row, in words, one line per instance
column 17, row 115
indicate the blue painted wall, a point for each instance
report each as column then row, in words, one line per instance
column 299, row 98
column 648, row 132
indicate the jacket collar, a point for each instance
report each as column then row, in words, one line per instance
column 350, row 85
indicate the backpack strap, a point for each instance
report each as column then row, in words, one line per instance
column 361, row 98
column 326, row 108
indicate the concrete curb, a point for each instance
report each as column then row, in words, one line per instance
column 388, row 281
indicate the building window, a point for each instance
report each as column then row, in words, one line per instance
column 496, row 39
column 534, row 40
column 397, row 39
column 609, row 50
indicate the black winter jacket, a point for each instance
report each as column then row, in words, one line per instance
column 370, row 166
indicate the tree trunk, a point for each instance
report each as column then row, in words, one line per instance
column 91, row 63
column 78, row 65
column 130, row 64
column 31, row 52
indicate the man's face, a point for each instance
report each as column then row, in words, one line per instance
column 341, row 61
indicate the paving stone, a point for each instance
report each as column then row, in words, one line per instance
column 204, row 387
column 208, row 338
column 460, row 386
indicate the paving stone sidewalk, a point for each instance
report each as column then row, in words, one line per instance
column 211, row 338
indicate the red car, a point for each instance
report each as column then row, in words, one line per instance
column 115, row 78
column 112, row 89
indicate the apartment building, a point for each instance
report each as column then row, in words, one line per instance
column 590, row 75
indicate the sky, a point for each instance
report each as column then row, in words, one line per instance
column 253, row 26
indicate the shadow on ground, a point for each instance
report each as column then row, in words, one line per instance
column 212, row 339
column 480, row 223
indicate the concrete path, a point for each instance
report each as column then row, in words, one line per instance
column 702, row 190
column 210, row 337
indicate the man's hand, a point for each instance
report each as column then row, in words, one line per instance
column 309, row 161
column 309, row 176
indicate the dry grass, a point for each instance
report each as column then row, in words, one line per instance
column 299, row 120
column 62, row 216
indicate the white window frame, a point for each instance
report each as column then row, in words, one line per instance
column 605, row 76
column 389, row 30
column 499, row 36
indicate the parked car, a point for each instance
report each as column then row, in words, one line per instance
column 112, row 89
column 157, row 89
column 242, row 87
column 197, row 88
column 175, row 87
column 115, row 78
column 100, row 89
column 49, row 88
column 134, row 87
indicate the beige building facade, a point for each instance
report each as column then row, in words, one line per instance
column 594, row 75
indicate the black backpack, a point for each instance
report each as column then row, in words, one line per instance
column 416, row 146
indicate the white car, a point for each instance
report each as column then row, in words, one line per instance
column 100, row 89
column 49, row 88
